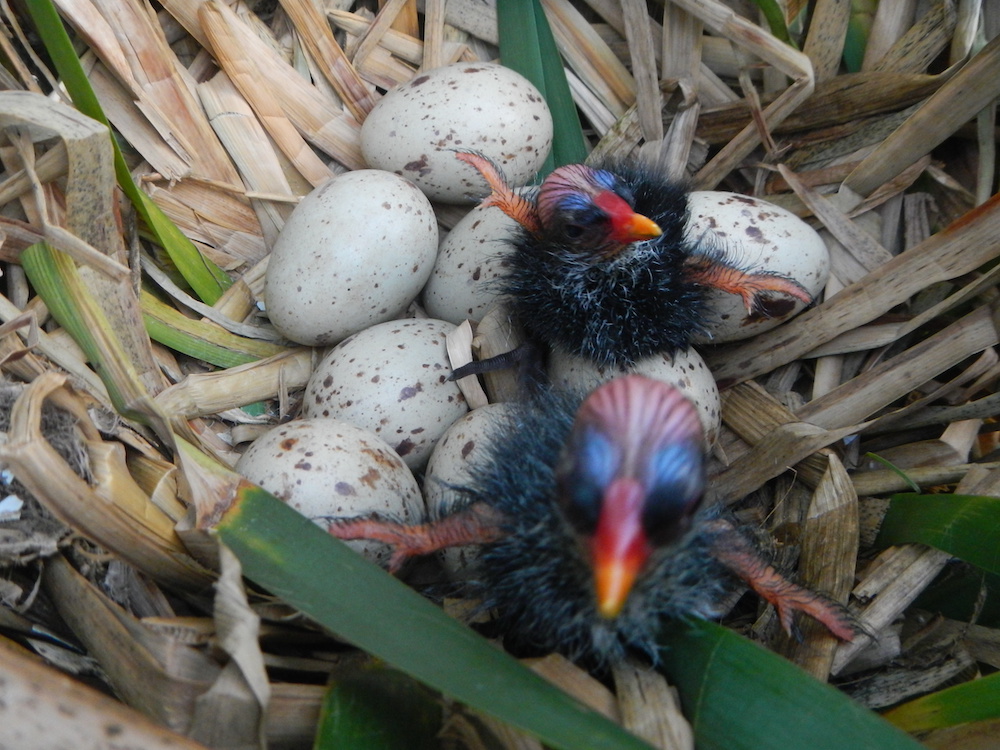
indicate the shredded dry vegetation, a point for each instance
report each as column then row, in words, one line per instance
column 228, row 114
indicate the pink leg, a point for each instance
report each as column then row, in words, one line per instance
column 752, row 287
column 477, row 524
column 737, row 554
column 512, row 204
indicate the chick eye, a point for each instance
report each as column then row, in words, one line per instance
column 573, row 231
column 676, row 485
column 587, row 468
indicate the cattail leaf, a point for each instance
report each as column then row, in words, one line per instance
column 977, row 700
column 740, row 696
column 289, row 555
column 966, row 526
column 200, row 339
column 205, row 277
column 527, row 46
column 377, row 708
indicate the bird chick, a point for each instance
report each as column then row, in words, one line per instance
column 593, row 532
column 600, row 265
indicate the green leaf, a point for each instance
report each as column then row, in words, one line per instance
column 775, row 17
column 527, row 46
column 200, row 339
column 895, row 469
column 289, row 555
column 206, row 279
column 739, row 696
column 966, row 526
column 376, row 708
column 976, row 700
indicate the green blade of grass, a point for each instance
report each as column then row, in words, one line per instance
column 373, row 707
column 966, row 526
column 895, row 469
column 527, row 46
column 290, row 556
column 977, row 700
column 198, row 339
column 739, row 696
column 206, row 279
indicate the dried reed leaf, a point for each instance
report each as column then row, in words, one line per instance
column 862, row 396
column 563, row 673
column 408, row 48
column 289, row 105
column 140, row 57
column 209, row 393
column 315, row 32
column 887, row 592
column 965, row 94
column 827, row 31
column 231, row 712
column 460, row 353
column 922, row 43
column 651, row 708
column 589, row 57
column 888, row 26
column 829, row 554
column 722, row 20
column 115, row 512
column 780, row 450
column 248, row 145
column 148, row 670
column 845, row 99
column 35, row 701
column 639, row 33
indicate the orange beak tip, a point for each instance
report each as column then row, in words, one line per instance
column 614, row 580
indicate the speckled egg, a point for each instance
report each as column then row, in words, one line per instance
column 462, row 284
column 356, row 251
column 416, row 127
column 686, row 371
column 755, row 236
column 459, row 449
column 391, row 379
column 326, row 468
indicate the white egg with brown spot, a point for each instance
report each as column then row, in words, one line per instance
column 354, row 252
column 391, row 379
column 463, row 284
column 756, row 237
column 416, row 127
column 686, row 371
column 462, row 446
column 327, row 469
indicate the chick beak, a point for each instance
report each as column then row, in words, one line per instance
column 619, row 547
column 626, row 225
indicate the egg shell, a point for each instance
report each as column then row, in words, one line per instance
column 326, row 468
column 687, row 371
column 391, row 379
column 755, row 236
column 461, row 447
column 355, row 251
column 484, row 107
column 462, row 285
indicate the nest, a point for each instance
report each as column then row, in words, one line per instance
column 885, row 386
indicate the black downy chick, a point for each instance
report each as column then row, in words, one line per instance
column 592, row 528
column 600, row 266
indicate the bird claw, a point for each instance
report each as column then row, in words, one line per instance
column 476, row 524
column 754, row 288
column 737, row 554
column 502, row 196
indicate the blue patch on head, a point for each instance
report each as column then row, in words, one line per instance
column 605, row 179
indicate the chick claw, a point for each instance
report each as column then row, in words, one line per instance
column 519, row 209
column 476, row 524
column 752, row 287
column 737, row 554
